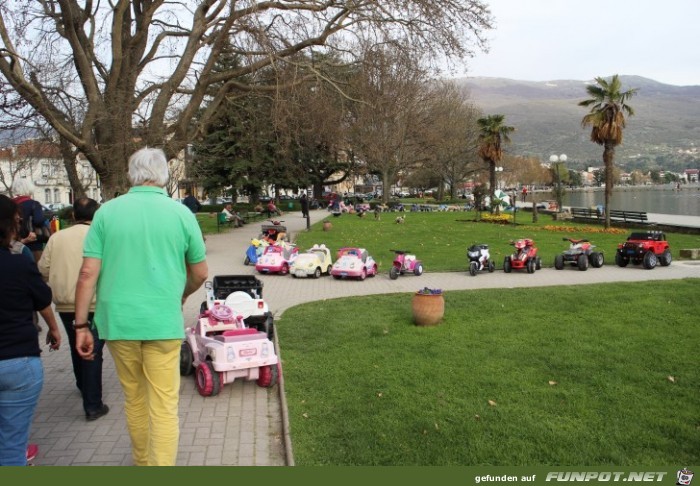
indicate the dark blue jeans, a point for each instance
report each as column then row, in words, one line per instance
column 88, row 374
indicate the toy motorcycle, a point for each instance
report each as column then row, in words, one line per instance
column 580, row 254
column 479, row 259
column 403, row 262
column 524, row 257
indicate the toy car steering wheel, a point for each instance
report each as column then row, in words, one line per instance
column 222, row 312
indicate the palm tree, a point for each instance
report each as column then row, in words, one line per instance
column 492, row 134
column 607, row 120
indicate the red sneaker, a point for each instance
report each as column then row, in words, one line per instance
column 32, row 450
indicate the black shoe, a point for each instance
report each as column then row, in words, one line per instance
column 90, row 416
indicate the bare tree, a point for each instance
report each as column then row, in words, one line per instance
column 451, row 136
column 149, row 63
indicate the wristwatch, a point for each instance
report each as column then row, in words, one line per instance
column 84, row 325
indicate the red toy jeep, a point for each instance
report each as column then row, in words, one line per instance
column 647, row 248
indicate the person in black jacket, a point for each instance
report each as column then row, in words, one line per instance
column 22, row 291
column 191, row 202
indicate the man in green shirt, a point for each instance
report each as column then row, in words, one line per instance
column 143, row 256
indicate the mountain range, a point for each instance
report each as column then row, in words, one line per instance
column 665, row 129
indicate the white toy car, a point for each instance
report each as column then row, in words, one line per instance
column 313, row 263
column 221, row 346
column 354, row 263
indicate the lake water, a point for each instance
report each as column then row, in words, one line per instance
column 653, row 199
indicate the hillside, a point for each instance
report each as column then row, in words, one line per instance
column 548, row 120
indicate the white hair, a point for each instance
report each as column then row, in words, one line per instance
column 148, row 165
column 22, row 187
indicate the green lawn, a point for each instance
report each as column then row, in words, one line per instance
column 440, row 239
column 577, row 375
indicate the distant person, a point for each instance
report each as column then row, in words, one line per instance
column 191, row 202
column 232, row 215
column 60, row 265
column 272, row 209
column 524, row 193
column 143, row 264
column 32, row 217
column 22, row 291
column 304, row 203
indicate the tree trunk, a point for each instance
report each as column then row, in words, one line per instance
column 608, row 159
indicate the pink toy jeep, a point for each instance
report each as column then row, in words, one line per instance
column 220, row 347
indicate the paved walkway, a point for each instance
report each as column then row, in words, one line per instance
column 243, row 425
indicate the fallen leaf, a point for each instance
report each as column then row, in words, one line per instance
column 436, row 426
column 492, row 403
column 379, row 394
column 425, row 432
column 477, row 417
column 671, row 379
column 551, row 382
column 386, row 331
column 305, row 415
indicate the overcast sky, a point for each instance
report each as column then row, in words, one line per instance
column 542, row 40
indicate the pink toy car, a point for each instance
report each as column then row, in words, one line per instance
column 277, row 258
column 220, row 347
column 354, row 263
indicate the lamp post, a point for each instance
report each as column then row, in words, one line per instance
column 558, row 192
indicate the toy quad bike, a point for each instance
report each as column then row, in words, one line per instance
column 255, row 251
column 524, row 257
column 403, row 262
column 479, row 259
column 220, row 347
column 580, row 254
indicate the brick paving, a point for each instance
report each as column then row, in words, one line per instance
column 243, row 425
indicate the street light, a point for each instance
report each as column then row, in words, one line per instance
column 558, row 192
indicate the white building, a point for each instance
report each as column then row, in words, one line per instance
column 40, row 162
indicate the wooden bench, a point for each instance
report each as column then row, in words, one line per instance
column 251, row 216
column 638, row 217
column 585, row 214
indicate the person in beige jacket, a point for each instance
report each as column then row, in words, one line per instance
column 60, row 264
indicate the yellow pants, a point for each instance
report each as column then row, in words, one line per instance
column 149, row 372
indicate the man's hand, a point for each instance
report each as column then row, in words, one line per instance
column 85, row 344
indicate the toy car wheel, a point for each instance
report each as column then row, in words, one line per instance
column 530, row 266
column 473, row 269
column 538, row 263
column 186, row 359
column 203, row 307
column 246, row 261
column 507, row 265
column 418, row 271
column 559, row 262
column 208, row 380
column 317, row 272
column 665, row 258
column 650, row 260
column 363, row 275
column 492, row 266
column 582, row 262
column 375, row 270
column 621, row 261
column 284, row 270
column 337, row 277
column 393, row 273
column 268, row 376
column 596, row 259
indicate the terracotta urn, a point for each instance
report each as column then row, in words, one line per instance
column 428, row 308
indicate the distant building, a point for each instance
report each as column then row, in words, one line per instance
column 691, row 175
column 40, row 162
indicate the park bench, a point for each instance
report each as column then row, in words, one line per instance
column 251, row 216
column 638, row 217
column 222, row 221
column 586, row 215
